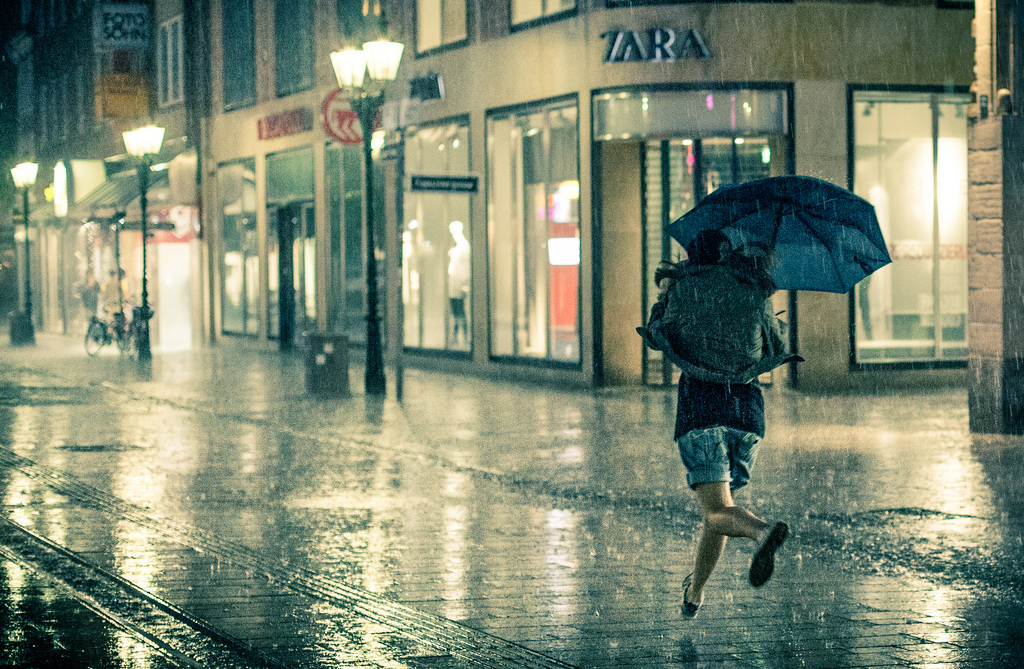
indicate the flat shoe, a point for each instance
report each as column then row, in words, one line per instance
column 763, row 563
column 689, row 609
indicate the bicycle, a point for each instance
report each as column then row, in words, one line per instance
column 101, row 333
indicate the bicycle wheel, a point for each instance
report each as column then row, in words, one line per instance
column 94, row 338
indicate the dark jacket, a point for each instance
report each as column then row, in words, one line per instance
column 717, row 324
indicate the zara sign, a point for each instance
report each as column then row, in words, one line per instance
column 660, row 45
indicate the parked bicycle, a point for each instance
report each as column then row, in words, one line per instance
column 103, row 333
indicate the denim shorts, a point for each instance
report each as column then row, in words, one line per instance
column 718, row 454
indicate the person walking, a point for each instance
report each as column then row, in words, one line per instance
column 714, row 319
column 90, row 294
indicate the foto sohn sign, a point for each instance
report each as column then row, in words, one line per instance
column 660, row 45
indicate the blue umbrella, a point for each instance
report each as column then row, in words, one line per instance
column 824, row 237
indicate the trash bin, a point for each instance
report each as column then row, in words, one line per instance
column 327, row 365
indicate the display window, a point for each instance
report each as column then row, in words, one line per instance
column 534, row 233
column 240, row 259
column 910, row 162
column 437, row 255
column 347, row 310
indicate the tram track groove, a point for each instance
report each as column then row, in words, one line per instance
column 73, row 576
column 450, row 637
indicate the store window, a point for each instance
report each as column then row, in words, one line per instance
column 293, row 46
column 437, row 258
column 238, row 39
column 348, row 261
column 533, row 232
column 910, row 153
column 240, row 263
column 439, row 22
column 169, row 62
column 524, row 11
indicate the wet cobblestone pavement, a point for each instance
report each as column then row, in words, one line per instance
column 211, row 513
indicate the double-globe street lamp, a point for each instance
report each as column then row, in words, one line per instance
column 144, row 143
column 379, row 59
column 22, row 331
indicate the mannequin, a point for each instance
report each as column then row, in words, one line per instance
column 458, row 282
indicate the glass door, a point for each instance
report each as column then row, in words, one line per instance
column 291, row 257
column 677, row 174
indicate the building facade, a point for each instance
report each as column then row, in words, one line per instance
column 535, row 151
column 531, row 153
column 87, row 72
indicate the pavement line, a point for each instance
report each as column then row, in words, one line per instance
column 457, row 640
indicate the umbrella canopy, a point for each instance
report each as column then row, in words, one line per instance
column 824, row 237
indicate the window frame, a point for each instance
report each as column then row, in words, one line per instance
column 243, row 164
column 445, row 44
column 616, row 4
column 293, row 64
column 855, row 363
column 169, row 61
column 543, row 19
column 547, row 361
column 247, row 97
column 461, row 121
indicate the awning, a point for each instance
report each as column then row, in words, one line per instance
column 120, row 194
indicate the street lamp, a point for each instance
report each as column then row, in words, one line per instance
column 144, row 143
column 379, row 59
column 22, row 331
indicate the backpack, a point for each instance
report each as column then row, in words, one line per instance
column 716, row 322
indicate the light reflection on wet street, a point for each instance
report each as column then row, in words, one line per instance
column 555, row 520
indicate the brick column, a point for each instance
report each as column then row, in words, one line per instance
column 996, row 275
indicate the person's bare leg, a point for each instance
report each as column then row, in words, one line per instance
column 722, row 519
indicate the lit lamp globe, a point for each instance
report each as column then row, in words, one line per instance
column 143, row 141
column 383, row 58
column 349, row 67
column 25, row 174
column 378, row 59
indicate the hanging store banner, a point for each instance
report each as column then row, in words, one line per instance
column 120, row 26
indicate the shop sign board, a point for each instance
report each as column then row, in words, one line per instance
column 659, row 45
column 340, row 122
column 120, row 26
column 287, row 123
column 444, row 183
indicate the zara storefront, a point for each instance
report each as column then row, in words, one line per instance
column 535, row 189
column 590, row 129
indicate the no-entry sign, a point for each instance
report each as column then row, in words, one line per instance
column 340, row 122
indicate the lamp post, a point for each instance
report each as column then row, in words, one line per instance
column 22, row 331
column 379, row 59
column 144, row 143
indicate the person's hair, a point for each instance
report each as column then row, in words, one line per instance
column 706, row 247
